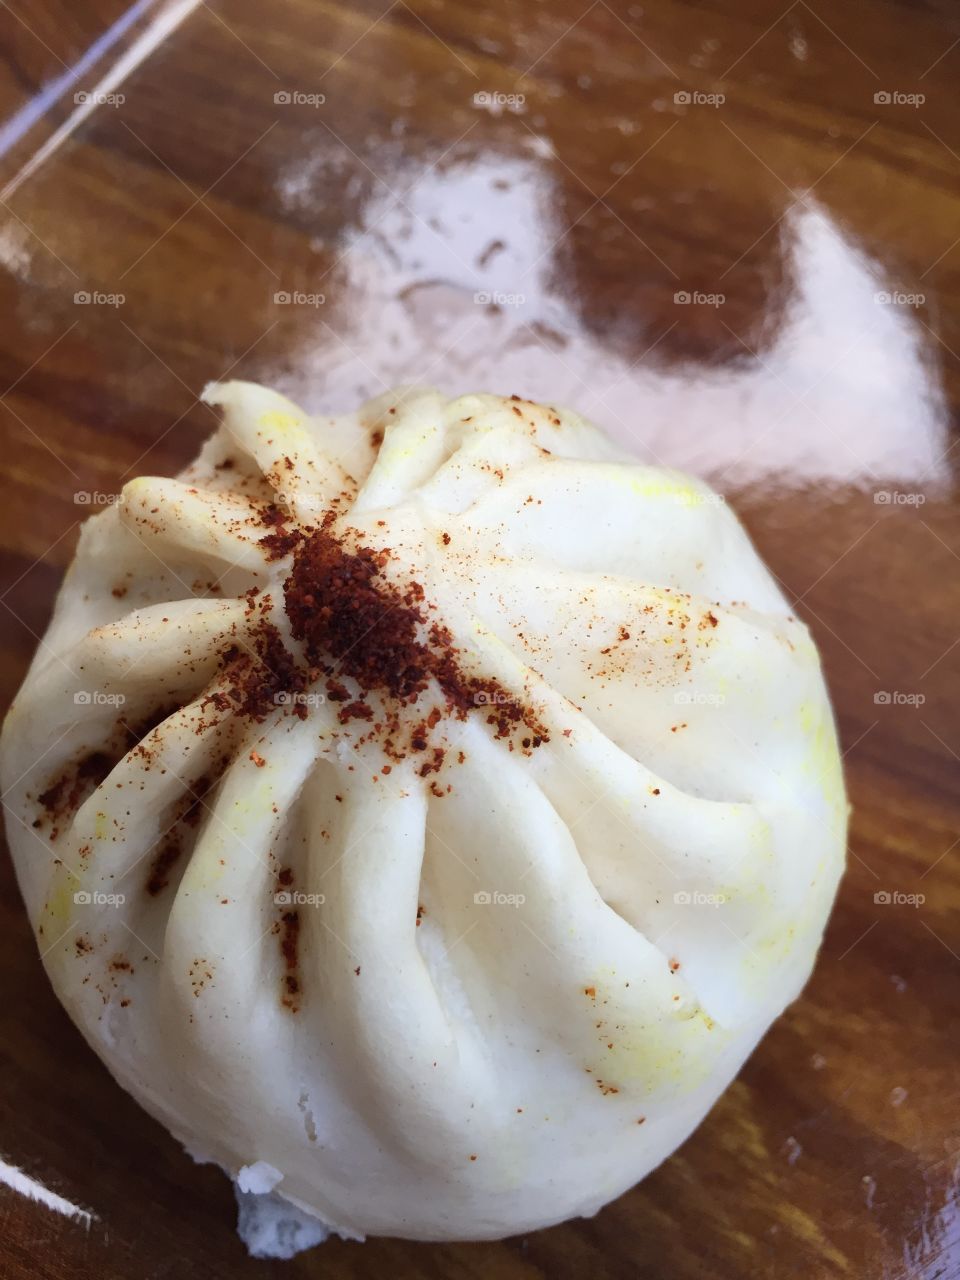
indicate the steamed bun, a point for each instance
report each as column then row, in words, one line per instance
column 430, row 805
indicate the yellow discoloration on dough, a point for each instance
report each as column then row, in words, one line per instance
column 391, row 451
column 138, row 489
column 258, row 800
column 246, row 812
column 684, row 1058
column 659, row 486
column 821, row 759
column 676, row 1045
column 58, row 908
column 278, row 421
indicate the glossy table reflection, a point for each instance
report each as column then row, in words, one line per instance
column 729, row 237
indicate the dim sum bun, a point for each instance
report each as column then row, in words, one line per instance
column 431, row 806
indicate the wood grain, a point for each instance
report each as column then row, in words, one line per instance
column 597, row 199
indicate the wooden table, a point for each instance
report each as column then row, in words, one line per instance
column 520, row 198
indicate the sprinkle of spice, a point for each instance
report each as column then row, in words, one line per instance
column 289, row 950
column 377, row 632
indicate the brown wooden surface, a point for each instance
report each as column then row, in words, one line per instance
column 837, row 1151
